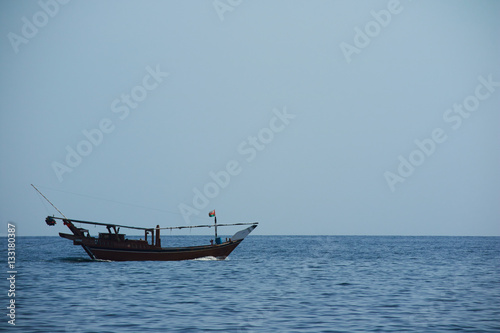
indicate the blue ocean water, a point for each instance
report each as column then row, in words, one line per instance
column 268, row 284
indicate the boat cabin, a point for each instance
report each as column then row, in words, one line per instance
column 111, row 237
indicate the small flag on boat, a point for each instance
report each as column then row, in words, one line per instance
column 212, row 213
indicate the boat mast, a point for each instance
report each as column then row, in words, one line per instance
column 210, row 214
column 215, row 223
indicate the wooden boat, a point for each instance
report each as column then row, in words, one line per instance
column 113, row 245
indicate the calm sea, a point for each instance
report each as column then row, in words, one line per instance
column 268, row 284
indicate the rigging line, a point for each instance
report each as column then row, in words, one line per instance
column 103, row 224
column 110, row 200
column 164, row 228
column 48, row 201
column 210, row 225
column 44, row 204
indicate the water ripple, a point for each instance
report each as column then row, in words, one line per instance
column 270, row 284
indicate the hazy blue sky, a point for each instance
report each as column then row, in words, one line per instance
column 326, row 117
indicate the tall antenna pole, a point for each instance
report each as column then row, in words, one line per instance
column 51, row 202
column 215, row 217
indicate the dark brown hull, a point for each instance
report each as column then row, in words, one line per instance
column 132, row 250
column 165, row 254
